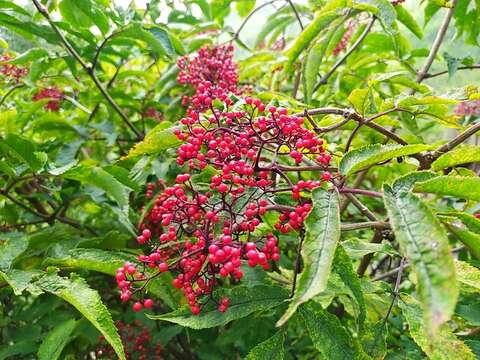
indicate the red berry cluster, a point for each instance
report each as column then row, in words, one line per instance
column 54, row 94
column 203, row 235
column 342, row 44
column 212, row 74
column 10, row 70
column 136, row 340
column 396, row 2
column 468, row 108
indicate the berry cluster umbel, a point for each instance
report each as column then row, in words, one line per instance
column 204, row 234
column 55, row 96
column 12, row 71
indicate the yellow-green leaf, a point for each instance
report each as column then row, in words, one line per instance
column 461, row 155
column 463, row 187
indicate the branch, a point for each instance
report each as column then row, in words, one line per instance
column 377, row 239
column 9, row 92
column 460, row 138
column 365, row 225
column 237, row 33
column 360, row 206
column 87, row 67
column 429, row 76
column 360, row 192
column 436, row 45
column 340, row 61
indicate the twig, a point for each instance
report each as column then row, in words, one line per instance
column 396, row 289
column 371, row 193
column 340, row 61
column 436, row 45
column 365, row 225
column 360, row 206
column 459, row 139
column 9, row 92
column 237, row 33
column 87, row 67
column 429, row 76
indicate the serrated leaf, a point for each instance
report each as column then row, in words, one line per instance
column 424, row 243
column 363, row 157
column 271, row 24
column 163, row 39
column 407, row 182
column 10, row 249
column 104, row 261
column 88, row 302
column 29, row 55
column 22, row 149
column 73, row 13
column 464, row 187
column 409, row 21
column 21, row 280
column 271, row 349
column 444, row 345
column 468, row 274
column 313, row 60
column 243, row 302
column 320, row 22
column 98, row 177
column 383, row 9
column 328, row 335
column 357, row 249
column 156, row 141
column 342, row 265
column 462, row 155
column 54, row 342
column 468, row 238
column 321, row 237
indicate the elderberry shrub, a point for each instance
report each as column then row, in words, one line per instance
column 203, row 236
column 12, row 71
column 136, row 340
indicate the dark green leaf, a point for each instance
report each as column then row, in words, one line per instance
column 88, row 302
column 271, row 349
column 464, row 187
column 429, row 255
column 55, row 341
column 321, row 237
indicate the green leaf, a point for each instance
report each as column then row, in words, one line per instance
column 245, row 6
column 468, row 238
column 10, row 249
column 52, row 345
column 407, row 182
column 321, row 237
column 29, row 55
column 462, row 155
column 156, row 141
column 363, row 157
column 452, row 63
column 468, row 274
column 12, row 6
column 74, row 14
column 320, row 22
column 409, row 21
column 21, row 280
column 313, row 60
column 103, row 261
column 243, row 302
column 444, row 345
column 98, row 177
column 429, row 255
column 271, row 24
column 464, row 187
column 328, row 335
column 22, row 149
column 342, row 265
column 383, row 9
column 88, row 302
column 271, row 349
column 357, row 249
column 163, row 39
